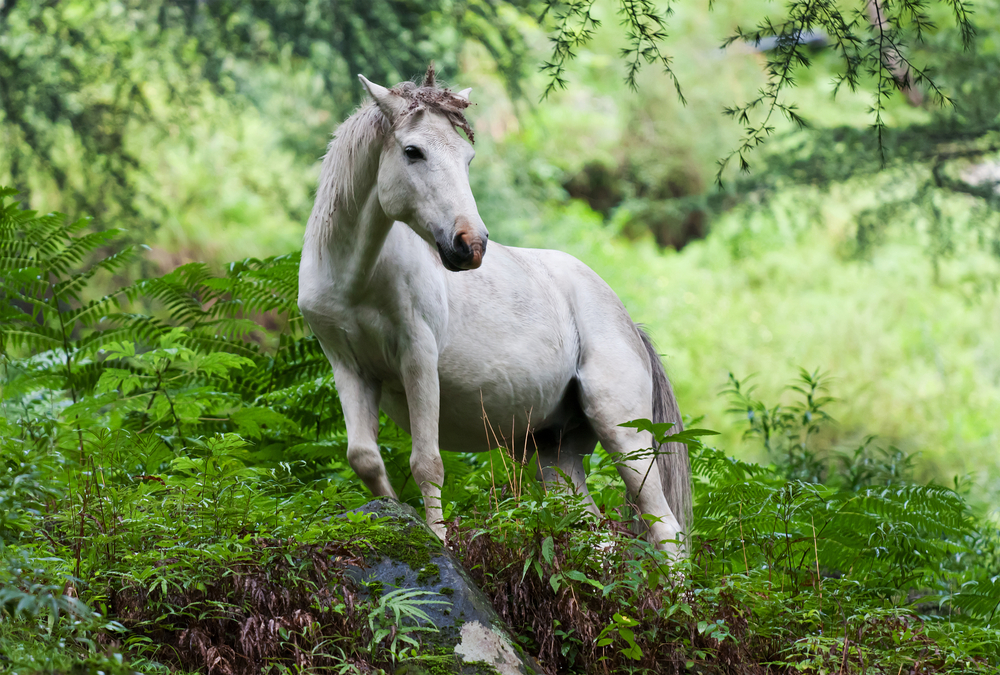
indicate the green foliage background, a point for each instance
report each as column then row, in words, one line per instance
column 167, row 418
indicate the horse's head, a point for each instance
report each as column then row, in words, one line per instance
column 423, row 174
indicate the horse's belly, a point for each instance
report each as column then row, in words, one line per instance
column 478, row 414
column 502, row 416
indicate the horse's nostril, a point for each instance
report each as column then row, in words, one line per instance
column 460, row 245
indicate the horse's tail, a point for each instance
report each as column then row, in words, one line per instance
column 671, row 458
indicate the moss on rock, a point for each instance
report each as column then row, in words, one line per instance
column 428, row 573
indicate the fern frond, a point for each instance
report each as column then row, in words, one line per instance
column 229, row 328
column 113, row 263
column 74, row 250
column 36, row 339
column 209, row 341
column 28, row 290
column 46, row 235
column 94, row 311
column 980, row 598
column 122, row 326
column 181, row 302
column 15, row 262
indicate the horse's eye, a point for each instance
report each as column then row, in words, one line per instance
column 413, row 153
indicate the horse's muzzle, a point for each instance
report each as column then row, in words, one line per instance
column 466, row 252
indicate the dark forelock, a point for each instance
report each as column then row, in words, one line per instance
column 428, row 96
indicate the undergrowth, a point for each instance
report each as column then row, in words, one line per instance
column 173, row 484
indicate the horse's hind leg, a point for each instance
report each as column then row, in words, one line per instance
column 615, row 390
column 560, row 463
column 359, row 400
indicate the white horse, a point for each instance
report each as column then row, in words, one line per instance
column 415, row 318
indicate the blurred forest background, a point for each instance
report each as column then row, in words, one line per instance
column 199, row 127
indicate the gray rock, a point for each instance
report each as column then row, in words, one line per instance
column 471, row 638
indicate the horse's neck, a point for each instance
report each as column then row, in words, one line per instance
column 348, row 228
column 356, row 240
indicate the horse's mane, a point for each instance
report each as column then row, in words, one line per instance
column 429, row 96
column 354, row 149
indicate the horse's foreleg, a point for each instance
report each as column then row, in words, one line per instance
column 423, row 399
column 359, row 399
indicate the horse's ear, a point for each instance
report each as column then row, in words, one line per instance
column 464, row 93
column 430, row 78
column 390, row 104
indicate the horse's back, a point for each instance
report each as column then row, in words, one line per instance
column 600, row 317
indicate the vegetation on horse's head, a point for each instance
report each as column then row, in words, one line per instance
column 430, row 77
column 428, row 96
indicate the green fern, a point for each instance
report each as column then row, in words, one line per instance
column 104, row 351
column 45, row 310
column 869, row 524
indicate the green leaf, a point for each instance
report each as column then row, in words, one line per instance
column 627, row 634
column 661, row 431
column 254, row 421
column 577, row 575
column 548, row 550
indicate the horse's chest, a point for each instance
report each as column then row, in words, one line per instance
column 365, row 338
